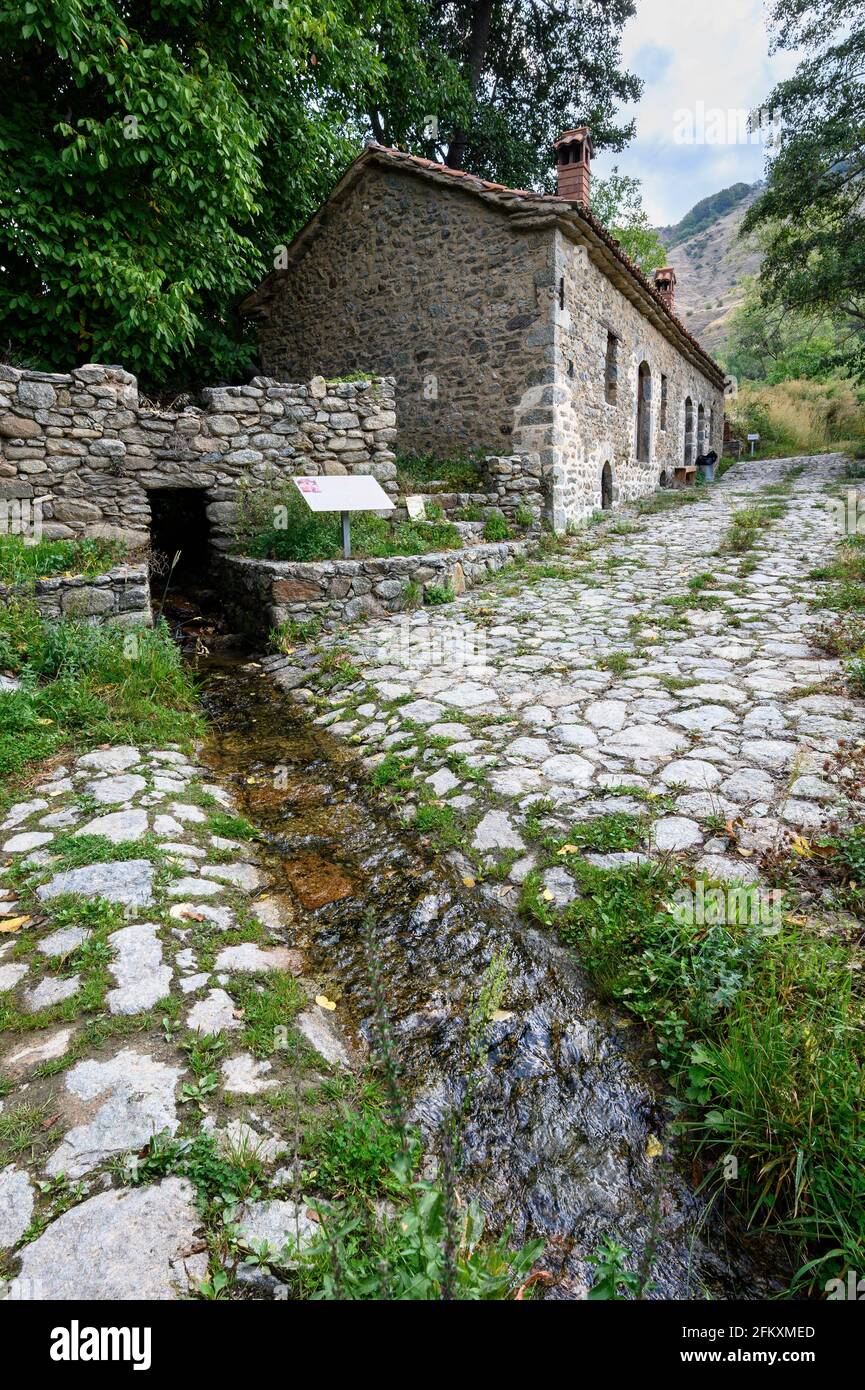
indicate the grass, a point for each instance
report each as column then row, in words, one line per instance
column 746, row 527
column 461, row 472
column 21, row 564
column 844, row 636
column 757, row 1031
column 25, row 1132
column 799, row 417
column 81, row 686
column 274, row 523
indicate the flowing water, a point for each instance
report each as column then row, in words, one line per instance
column 561, row 1111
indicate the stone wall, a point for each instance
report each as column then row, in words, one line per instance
column 120, row 596
column 569, row 420
column 83, row 450
column 258, row 595
column 427, row 284
column 495, row 330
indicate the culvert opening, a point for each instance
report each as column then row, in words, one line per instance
column 181, row 580
column 180, row 534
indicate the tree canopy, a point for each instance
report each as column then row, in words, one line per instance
column 618, row 202
column 812, row 209
column 155, row 154
column 529, row 70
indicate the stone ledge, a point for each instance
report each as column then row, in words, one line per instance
column 120, row 595
column 258, row 595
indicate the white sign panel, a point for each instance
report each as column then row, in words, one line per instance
column 753, row 436
column 416, row 508
column 343, row 494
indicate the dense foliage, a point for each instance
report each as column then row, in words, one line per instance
column 618, row 202
column 812, row 208
column 155, row 157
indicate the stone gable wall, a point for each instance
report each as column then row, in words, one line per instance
column 431, row 286
column 81, row 449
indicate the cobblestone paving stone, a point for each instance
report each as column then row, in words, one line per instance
column 104, row 996
column 635, row 666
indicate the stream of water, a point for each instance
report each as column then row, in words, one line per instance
column 562, row 1111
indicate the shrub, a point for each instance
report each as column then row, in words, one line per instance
column 439, row 593
column 21, row 563
column 88, row 685
column 496, row 528
column 274, row 523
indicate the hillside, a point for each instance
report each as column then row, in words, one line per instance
column 710, row 262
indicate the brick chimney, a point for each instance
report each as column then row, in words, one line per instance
column 665, row 284
column 573, row 157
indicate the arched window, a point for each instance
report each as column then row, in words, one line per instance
column 701, row 430
column 689, row 431
column 606, row 487
column 644, row 412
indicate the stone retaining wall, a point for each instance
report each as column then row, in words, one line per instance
column 258, row 595
column 83, row 451
column 119, row 596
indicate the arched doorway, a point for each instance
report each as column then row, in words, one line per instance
column 606, row 487
column 689, row 431
column 644, row 412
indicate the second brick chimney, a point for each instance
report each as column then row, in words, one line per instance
column 573, row 159
column 665, row 284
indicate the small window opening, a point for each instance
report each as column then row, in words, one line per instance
column 663, row 419
column 611, row 369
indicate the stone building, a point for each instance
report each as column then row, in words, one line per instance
column 513, row 323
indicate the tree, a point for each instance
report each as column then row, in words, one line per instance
column 774, row 344
column 812, row 209
column 529, row 69
column 617, row 201
column 154, row 154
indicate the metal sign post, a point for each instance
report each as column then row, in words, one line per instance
column 344, row 494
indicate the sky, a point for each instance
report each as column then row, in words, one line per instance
column 704, row 65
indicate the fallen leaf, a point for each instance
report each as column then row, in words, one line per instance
column 44, row 721
column 468, row 881
column 500, row 1015
column 13, row 923
column 654, row 1148
column 51, row 1121
column 547, row 895
column 312, row 1214
column 745, row 853
column 324, row 1003
column 569, row 849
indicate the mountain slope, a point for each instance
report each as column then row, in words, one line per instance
column 711, row 263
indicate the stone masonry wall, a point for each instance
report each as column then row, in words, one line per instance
column 120, row 596
column 437, row 287
column 82, row 448
column 258, row 595
column 568, row 419
column 427, row 284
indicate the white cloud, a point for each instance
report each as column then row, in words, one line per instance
column 716, row 54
